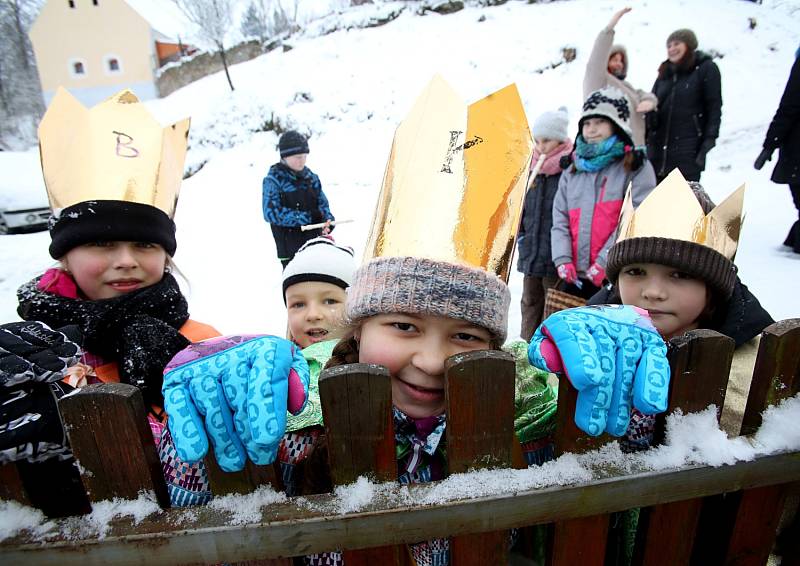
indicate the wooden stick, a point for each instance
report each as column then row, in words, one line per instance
column 308, row 227
column 535, row 171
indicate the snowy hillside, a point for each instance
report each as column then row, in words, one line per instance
column 349, row 89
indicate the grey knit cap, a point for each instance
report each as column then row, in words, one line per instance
column 686, row 36
column 425, row 286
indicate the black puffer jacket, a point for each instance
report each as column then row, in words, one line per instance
column 742, row 317
column 686, row 124
column 784, row 131
column 533, row 242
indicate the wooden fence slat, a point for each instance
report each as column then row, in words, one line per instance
column 699, row 363
column 357, row 410
column 776, row 376
column 11, row 488
column 776, row 373
column 592, row 531
column 479, row 393
column 112, row 441
column 243, row 482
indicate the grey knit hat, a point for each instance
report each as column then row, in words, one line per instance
column 552, row 125
column 425, row 286
column 686, row 36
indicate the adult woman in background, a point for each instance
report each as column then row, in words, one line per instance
column 685, row 126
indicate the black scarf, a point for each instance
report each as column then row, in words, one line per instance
column 138, row 330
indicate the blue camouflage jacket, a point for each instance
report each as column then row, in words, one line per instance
column 292, row 199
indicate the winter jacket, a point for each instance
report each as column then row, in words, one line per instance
column 742, row 318
column 293, row 199
column 533, row 240
column 586, row 211
column 597, row 77
column 686, row 124
column 784, row 132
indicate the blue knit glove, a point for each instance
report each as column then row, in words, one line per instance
column 241, row 388
column 613, row 356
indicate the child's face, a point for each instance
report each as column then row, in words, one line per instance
column 596, row 130
column 673, row 298
column 414, row 348
column 296, row 162
column 104, row 270
column 545, row 145
column 315, row 311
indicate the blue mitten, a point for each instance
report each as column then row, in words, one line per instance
column 613, row 356
column 241, row 388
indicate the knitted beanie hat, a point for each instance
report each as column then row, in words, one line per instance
column 612, row 104
column 110, row 220
column 552, row 125
column 292, row 143
column 426, row 286
column 686, row 36
column 695, row 259
column 320, row 259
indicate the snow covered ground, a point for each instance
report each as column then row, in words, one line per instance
column 349, row 89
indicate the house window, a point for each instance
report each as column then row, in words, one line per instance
column 94, row 2
column 112, row 65
column 71, row 3
column 77, row 68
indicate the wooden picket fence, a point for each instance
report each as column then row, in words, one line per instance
column 692, row 515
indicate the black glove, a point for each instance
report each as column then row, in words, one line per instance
column 30, row 425
column 33, row 358
column 763, row 157
column 700, row 160
column 33, row 352
column 147, row 345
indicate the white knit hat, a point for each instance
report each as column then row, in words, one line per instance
column 552, row 125
column 320, row 259
column 610, row 103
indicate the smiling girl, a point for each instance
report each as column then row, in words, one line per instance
column 113, row 175
column 589, row 198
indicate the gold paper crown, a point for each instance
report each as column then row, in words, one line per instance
column 115, row 151
column 672, row 211
column 455, row 181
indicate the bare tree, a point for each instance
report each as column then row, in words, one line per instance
column 213, row 19
column 21, row 102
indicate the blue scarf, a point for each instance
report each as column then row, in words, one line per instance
column 592, row 157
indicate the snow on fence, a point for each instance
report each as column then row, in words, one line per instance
column 718, row 504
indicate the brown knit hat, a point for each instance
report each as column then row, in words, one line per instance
column 695, row 259
column 425, row 286
column 686, row 36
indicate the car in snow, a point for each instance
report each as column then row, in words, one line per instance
column 23, row 197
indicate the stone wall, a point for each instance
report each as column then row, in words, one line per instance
column 175, row 76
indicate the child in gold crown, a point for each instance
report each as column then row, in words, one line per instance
column 111, row 311
column 670, row 283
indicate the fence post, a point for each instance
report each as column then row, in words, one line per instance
column 479, row 391
column 112, row 441
column 357, row 410
column 700, row 363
